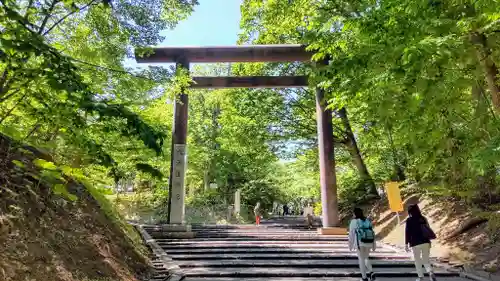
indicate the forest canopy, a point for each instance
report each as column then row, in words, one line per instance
column 414, row 87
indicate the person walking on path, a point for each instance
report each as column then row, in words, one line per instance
column 308, row 214
column 285, row 210
column 418, row 236
column 258, row 213
column 362, row 239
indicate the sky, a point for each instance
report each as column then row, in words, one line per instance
column 213, row 23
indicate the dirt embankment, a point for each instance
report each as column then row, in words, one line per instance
column 463, row 239
column 44, row 236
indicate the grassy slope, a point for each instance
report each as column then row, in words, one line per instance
column 46, row 237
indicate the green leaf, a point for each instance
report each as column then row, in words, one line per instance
column 60, row 189
column 18, row 163
column 45, row 164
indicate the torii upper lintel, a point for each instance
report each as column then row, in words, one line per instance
column 240, row 53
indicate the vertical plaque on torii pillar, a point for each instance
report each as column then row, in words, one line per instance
column 178, row 158
column 177, row 208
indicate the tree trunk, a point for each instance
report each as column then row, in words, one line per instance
column 210, row 173
column 486, row 183
column 489, row 67
column 352, row 146
column 206, row 180
column 398, row 171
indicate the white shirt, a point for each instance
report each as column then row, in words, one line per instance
column 308, row 211
column 354, row 244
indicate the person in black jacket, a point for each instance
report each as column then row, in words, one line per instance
column 418, row 236
column 285, row 210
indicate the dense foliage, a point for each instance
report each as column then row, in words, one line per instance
column 414, row 87
column 418, row 81
column 64, row 85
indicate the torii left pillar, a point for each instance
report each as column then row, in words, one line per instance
column 178, row 157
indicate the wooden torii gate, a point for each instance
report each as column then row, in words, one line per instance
column 183, row 56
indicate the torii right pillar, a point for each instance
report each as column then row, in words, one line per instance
column 328, row 182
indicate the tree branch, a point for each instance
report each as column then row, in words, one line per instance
column 69, row 14
column 3, row 80
column 6, row 97
column 488, row 26
column 47, row 16
column 110, row 69
column 35, row 128
column 12, row 109
column 23, row 22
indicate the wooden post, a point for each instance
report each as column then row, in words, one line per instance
column 326, row 153
column 178, row 157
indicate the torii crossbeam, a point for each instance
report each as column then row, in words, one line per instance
column 183, row 56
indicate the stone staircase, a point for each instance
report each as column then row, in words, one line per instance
column 278, row 250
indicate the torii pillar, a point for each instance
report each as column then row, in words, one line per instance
column 178, row 155
column 328, row 181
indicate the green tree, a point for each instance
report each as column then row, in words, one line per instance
column 63, row 84
column 416, row 79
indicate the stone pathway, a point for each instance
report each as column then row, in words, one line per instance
column 280, row 249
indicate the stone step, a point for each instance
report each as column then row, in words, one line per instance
column 295, row 263
column 209, row 242
column 309, row 279
column 262, row 227
column 167, row 228
column 269, row 233
column 300, row 224
column 265, row 250
column 264, row 223
column 252, row 237
column 171, row 235
column 257, row 229
column 300, row 272
column 296, row 227
column 284, row 256
column 333, row 247
column 256, row 233
column 279, row 250
column 284, row 238
column 244, row 236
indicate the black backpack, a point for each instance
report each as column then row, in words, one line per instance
column 426, row 230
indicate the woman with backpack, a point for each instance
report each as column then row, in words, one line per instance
column 362, row 239
column 418, row 236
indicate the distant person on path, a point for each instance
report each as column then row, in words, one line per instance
column 285, row 210
column 418, row 236
column 362, row 239
column 309, row 215
column 258, row 213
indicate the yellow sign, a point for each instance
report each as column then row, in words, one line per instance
column 394, row 196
